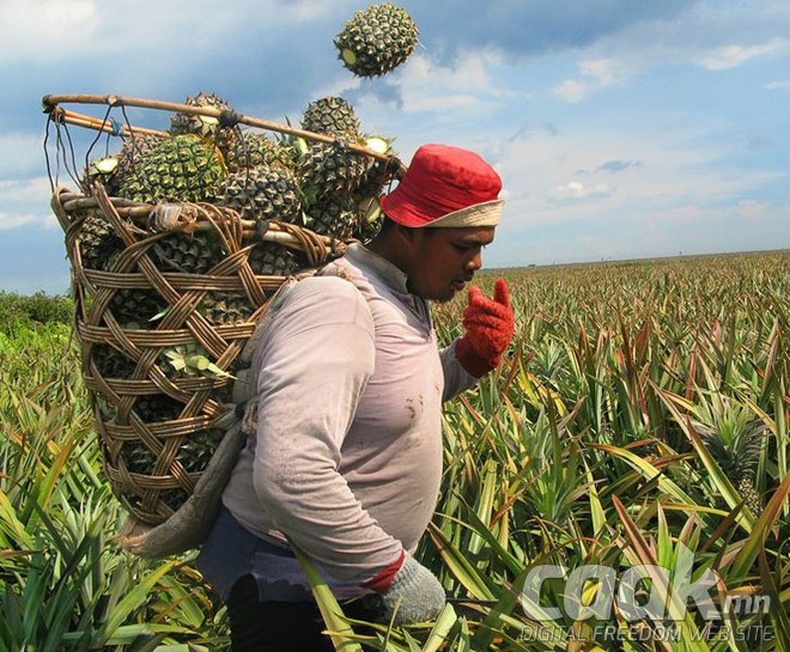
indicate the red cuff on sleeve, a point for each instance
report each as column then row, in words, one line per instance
column 383, row 579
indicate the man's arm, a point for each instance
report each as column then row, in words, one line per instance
column 318, row 360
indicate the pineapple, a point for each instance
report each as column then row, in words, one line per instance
column 181, row 168
column 336, row 216
column 190, row 253
column 331, row 168
column 748, row 492
column 134, row 150
column 136, row 307
column 224, row 137
column 111, row 363
column 226, row 308
column 273, row 259
column 378, row 173
column 261, row 193
column 735, row 444
column 254, row 148
column 154, row 408
column 331, row 115
column 370, row 220
column 194, row 454
column 98, row 242
column 376, row 40
column 113, row 170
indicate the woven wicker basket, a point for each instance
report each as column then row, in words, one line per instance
column 202, row 390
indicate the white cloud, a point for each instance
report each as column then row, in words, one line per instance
column 595, row 74
column 22, row 153
column 575, row 191
column 34, row 29
column 572, row 90
column 28, row 190
column 732, row 56
column 26, row 202
column 753, row 210
column 778, row 85
column 12, row 221
column 428, row 86
column 675, row 180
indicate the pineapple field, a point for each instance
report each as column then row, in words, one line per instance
column 619, row 483
column 632, row 448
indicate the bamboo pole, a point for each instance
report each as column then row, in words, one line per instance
column 51, row 104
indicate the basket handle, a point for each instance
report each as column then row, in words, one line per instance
column 51, row 104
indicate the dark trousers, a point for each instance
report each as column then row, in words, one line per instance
column 280, row 626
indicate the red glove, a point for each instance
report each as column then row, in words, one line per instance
column 489, row 326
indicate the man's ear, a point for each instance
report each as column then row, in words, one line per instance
column 406, row 235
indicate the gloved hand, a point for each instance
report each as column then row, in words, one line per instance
column 413, row 593
column 489, row 326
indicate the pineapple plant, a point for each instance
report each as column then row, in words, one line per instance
column 735, row 444
column 331, row 115
column 261, row 193
column 376, row 40
column 186, row 168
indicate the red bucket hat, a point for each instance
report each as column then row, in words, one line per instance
column 446, row 186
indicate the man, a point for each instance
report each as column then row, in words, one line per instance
column 347, row 458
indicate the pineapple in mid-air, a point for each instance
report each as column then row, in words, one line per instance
column 376, row 40
column 181, row 168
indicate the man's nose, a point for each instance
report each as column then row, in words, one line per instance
column 475, row 262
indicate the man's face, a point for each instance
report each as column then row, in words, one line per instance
column 443, row 260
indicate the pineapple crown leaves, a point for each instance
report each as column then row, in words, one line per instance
column 735, row 445
column 191, row 360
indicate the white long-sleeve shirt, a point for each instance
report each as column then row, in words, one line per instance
column 348, row 453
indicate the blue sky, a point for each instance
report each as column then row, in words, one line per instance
column 621, row 129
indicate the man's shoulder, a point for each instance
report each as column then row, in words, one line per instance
column 324, row 299
column 328, row 286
